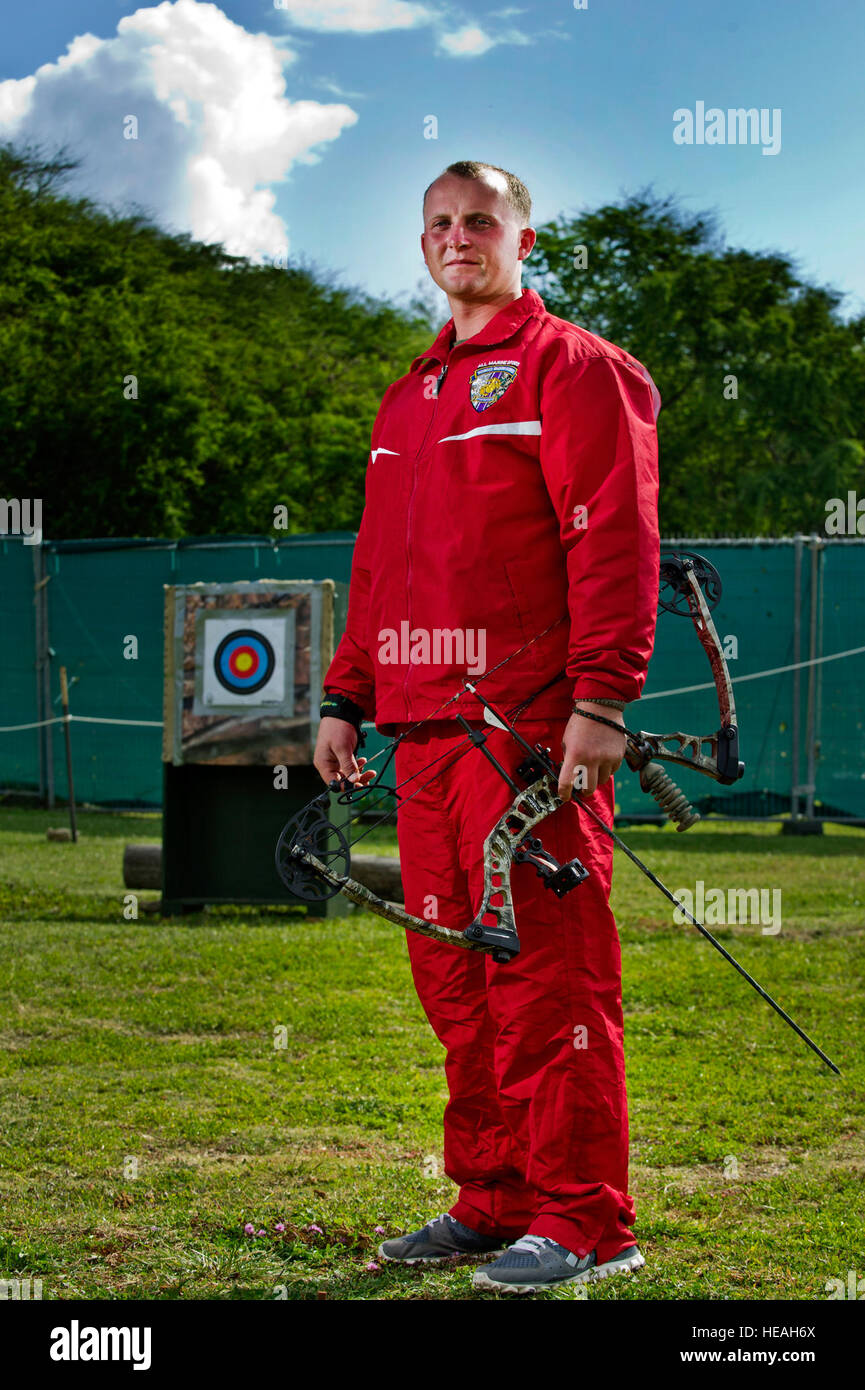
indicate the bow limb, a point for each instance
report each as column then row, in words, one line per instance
column 711, row 643
column 500, row 941
column 716, row 755
column 364, row 897
column 494, row 927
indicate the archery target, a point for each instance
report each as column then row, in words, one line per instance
column 242, row 662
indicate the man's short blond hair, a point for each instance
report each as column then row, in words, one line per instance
column 517, row 194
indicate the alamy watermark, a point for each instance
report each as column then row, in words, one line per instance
column 845, row 516
column 20, row 1289
column 22, row 516
column 735, row 126
column 715, row 907
column 853, row 1287
column 77, row 1343
column 439, row 646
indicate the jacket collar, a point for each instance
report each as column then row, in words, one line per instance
column 502, row 326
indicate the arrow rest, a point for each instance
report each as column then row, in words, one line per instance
column 561, row 878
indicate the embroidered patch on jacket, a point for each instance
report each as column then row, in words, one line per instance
column 490, row 382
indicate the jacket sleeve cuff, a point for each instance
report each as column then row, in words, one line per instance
column 620, row 705
column 589, row 689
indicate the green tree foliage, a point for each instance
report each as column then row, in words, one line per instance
column 662, row 284
column 257, row 386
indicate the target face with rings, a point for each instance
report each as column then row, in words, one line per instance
column 244, row 661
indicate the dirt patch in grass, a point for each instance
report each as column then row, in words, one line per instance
column 760, row 1164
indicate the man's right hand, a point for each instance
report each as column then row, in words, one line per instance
column 334, row 753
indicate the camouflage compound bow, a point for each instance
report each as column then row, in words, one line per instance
column 313, row 856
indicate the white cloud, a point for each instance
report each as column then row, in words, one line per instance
column 471, row 41
column 354, row 16
column 327, row 84
column 376, row 16
column 215, row 126
column 468, row 42
column 15, row 99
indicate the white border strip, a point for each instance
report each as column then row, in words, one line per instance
column 509, row 427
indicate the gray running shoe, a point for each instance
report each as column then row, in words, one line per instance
column 440, row 1240
column 536, row 1262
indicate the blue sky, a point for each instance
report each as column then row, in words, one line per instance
column 302, row 127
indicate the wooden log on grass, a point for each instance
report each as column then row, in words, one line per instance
column 142, row 868
column 380, row 874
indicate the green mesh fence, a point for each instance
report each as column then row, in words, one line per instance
column 98, row 593
column 19, row 756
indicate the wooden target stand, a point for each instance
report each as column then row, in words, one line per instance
column 244, row 664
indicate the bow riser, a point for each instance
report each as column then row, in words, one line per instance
column 686, row 750
column 501, row 849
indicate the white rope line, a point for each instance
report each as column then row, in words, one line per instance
column 81, row 719
column 755, row 675
column 40, row 724
column 655, row 695
column 93, row 719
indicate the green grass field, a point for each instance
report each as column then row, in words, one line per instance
column 162, row 1085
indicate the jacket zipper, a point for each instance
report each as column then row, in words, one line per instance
column 440, row 380
column 439, row 383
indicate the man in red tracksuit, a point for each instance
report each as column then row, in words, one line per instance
column 511, row 511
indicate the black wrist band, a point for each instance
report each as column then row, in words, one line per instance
column 336, row 706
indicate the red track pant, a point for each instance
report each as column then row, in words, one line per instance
column 536, row 1127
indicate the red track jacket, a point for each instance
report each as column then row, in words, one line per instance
column 511, row 488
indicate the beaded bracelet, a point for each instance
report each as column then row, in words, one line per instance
column 600, row 719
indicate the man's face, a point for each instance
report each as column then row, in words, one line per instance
column 472, row 241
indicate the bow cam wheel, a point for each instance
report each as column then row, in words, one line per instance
column 312, row 832
column 674, row 588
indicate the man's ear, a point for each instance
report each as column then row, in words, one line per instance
column 528, row 237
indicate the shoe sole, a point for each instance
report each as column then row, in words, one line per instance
column 440, row 1259
column 482, row 1280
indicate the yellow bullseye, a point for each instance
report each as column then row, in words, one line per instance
column 243, row 662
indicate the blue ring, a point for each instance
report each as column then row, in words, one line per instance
column 244, row 685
